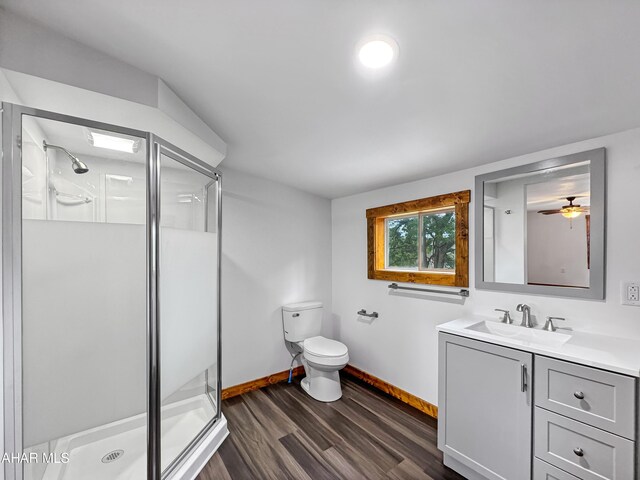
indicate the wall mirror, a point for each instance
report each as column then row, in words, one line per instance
column 540, row 228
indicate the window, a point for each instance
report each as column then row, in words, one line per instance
column 421, row 241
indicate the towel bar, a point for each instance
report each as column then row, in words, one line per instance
column 462, row 292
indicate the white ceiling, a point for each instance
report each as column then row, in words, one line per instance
column 475, row 81
column 553, row 193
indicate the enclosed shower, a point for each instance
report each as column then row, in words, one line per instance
column 111, row 301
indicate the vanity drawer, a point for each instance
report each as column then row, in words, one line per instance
column 587, row 452
column 544, row 471
column 603, row 399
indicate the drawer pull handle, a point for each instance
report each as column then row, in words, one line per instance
column 579, row 395
column 523, row 377
column 578, row 451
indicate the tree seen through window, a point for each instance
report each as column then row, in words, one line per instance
column 439, row 241
column 403, row 242
column 434, row 249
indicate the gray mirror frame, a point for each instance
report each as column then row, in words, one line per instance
column 596, row 290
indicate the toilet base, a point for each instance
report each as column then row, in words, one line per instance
column 322, row 385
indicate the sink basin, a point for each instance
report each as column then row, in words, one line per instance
column 516, row 332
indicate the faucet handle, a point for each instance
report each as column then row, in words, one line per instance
column 549, row 326
column 506, row 317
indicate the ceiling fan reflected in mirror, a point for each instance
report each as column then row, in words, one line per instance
column 568, row 211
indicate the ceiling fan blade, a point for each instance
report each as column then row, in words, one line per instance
column 549, row 212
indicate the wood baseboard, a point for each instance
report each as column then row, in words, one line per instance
column 403, row 396
column 260, row 383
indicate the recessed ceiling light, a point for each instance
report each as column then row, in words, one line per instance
column 377, row 51
column 113, row 142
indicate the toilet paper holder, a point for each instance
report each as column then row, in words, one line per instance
column 364, row 313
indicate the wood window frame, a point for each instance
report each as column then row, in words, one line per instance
column 376, row 240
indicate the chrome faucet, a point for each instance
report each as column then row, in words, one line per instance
column 506, row 316
column 549, row 326
column 526, row 315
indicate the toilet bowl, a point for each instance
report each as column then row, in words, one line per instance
column 322, row 357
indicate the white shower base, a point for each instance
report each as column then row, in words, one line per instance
column 181, row 422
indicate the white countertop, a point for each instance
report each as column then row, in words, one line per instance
column 616, row 354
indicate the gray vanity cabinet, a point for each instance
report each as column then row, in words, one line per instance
column 485, row 414
column 584, row 421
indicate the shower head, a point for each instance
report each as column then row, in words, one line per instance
column 78, row 165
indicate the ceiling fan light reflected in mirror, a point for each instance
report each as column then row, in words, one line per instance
column 567, row 211
column 570, row 213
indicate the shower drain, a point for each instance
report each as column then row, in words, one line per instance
column 112, row 456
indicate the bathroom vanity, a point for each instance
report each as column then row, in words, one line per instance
column 522, row 403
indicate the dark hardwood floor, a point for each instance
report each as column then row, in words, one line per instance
column 281, row 433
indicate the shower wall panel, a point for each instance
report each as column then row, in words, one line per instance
column 188, row 306
column 93, row 310
column 84, row 326
column 34, row 178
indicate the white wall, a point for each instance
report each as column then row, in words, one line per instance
column 401, row 346
column 276, row 249
column 489, row 268
column 510, row 231
column 557, row 250
column 31, row 48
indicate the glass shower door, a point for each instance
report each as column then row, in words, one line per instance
column 111, row 284
column 83, row 325
column 188, row 302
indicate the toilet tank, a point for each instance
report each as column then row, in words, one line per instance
column 301, row 320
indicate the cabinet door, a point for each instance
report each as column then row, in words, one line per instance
column 485, row 415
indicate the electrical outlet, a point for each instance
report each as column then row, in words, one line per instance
column 630, row 293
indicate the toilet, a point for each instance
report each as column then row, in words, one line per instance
column 322, row 357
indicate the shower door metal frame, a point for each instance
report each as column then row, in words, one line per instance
column 11, row 212
column 162, row 147
column 11, row 288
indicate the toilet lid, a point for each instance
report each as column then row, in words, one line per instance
column 324, row 347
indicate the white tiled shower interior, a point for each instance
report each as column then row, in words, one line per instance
column 95, row 309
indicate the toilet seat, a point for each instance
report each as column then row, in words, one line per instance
column 324, row 351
